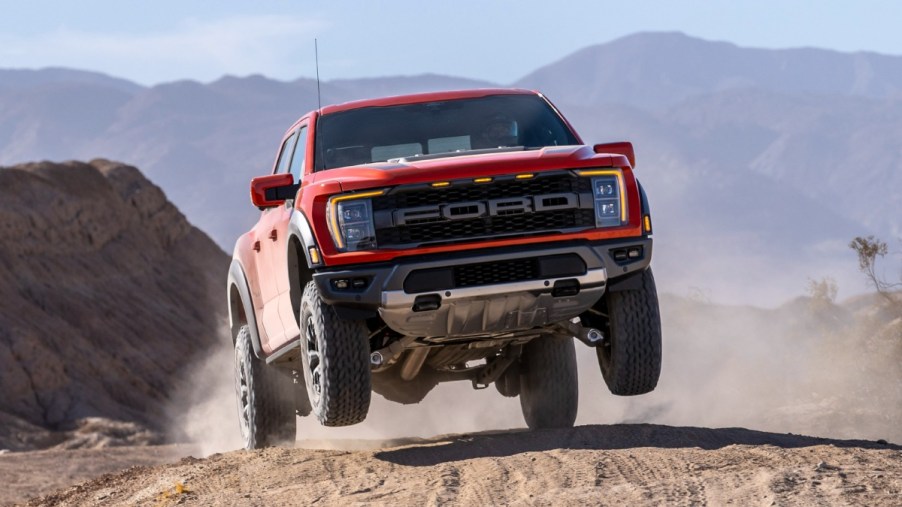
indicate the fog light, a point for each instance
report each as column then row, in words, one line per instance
column 341, row 284
column 619, row 255
column 635, row 253
column 358, row 283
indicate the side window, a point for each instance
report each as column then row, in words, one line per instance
column 300, row 151
column 285, row 154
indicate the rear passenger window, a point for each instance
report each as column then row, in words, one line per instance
column 285, row 154
column 300, row 151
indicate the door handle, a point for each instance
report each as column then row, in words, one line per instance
column 273, row 235
column 256, row 246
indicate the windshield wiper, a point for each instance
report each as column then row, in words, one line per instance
column 431, row 156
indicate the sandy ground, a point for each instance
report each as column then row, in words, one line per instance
column 599, row 465
column 29, row 474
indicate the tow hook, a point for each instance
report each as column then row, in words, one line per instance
column 588, row 335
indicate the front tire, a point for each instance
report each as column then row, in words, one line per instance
column 266, row 412
column 335, row 353
column 549, row 387
column 630, row 356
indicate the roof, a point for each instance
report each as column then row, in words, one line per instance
column 423, row 97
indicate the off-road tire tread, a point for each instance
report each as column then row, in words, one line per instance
column 347, row 382
column 634, row 364
column 549, row 385
column 272, row 415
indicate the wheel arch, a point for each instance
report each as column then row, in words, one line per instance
column 643, row 199
column 300, row 265
column 241, row 307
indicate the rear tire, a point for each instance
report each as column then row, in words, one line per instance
column 630, row 356
column 549, row 388
column 508, row 384
column 266, row 403
column 336, row 359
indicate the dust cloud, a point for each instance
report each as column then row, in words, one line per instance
column 808, row 367
column 205, row 412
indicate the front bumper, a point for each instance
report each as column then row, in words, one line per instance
column 421, row 296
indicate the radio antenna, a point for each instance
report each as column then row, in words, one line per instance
column 319, row 97
column 319, row 110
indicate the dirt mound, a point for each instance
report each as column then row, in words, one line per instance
column 601, row 465
column 108, row 294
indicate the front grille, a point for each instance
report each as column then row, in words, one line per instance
column 485, row 227
column 489, row 273
column 541, row 184
column 439, row 230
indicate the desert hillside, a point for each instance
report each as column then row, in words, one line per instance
column 107, row 297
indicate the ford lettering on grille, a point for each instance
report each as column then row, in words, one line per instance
column 490, row 207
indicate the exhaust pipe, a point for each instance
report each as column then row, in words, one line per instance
column 386, row 356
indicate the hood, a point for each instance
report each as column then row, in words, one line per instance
column 468, row 166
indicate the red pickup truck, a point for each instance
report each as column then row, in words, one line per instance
column 466, row 235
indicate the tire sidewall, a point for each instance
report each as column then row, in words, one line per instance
column 244, row 374
column 310, row 323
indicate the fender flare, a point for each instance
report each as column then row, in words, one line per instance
column 243, row 306
column 299, row 227
column 300, row 265
column 643, row 199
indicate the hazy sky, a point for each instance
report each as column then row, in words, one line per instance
column 499, row 41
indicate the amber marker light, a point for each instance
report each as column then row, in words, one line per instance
column 646, row 222
column 314, row 255
column 440, row 184
column 525, row 176
column 333, row 216
column 482, row 180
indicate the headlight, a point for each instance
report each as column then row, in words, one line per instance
column 610, row 201
column 351, row 221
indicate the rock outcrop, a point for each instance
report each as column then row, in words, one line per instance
column 107, row 296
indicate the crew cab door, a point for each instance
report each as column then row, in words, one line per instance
column 280, row 251
column 270, row 234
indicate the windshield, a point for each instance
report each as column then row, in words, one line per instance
column 379, row 134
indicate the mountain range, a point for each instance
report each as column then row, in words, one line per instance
column 760, row 164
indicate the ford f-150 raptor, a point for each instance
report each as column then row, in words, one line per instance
column 467, row 235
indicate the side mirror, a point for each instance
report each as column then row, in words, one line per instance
column 270, row 191
column 624, row 148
